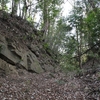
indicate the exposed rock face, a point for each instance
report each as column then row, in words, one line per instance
column 6, row 68
column 21, row 46
column 18, row 56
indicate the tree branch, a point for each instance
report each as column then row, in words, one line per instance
column 86, row 50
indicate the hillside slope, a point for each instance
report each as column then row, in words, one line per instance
column 21, row 45
column 23, row 55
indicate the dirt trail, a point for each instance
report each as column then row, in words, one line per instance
column 46, row 86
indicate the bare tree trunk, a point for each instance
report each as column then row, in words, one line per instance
column 20, row 10
column 30, row 8
column 14, row 7
column 25, row 9
column 45, row 18
column 87, row 7
column 92, row 4
column 78, row 49
column 2, row 4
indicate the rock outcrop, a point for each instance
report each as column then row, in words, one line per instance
column 6, row 68
column 21, row 46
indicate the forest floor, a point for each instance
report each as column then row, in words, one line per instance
column 45, row 86
column 49, row 86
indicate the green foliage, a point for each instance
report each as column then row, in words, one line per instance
column 93, row 26
column 29, row 19
column 4, row 4
column 45, row 46
column 58, row 31
column 93, row 55
column 50, row 12
column 70, row 68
